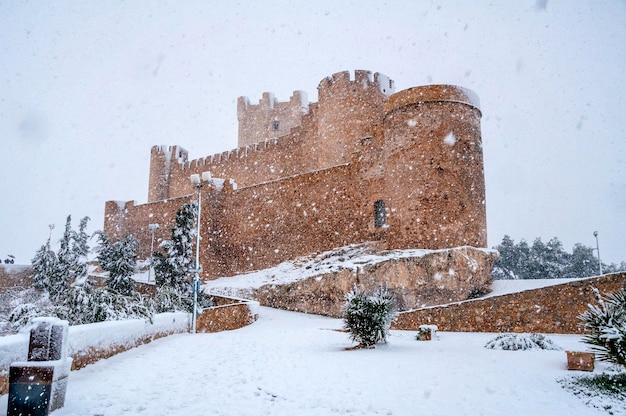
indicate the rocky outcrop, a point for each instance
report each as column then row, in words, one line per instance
column 418, row 278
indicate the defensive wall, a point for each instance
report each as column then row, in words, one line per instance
column 551, row 309
column 404, row 170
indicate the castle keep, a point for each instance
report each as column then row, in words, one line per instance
column 399, row 170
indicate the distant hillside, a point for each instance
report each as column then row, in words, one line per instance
column 14, row 276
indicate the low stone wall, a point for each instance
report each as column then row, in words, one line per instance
column 92, row 342
column 228, row 313
column 433, row 278
column 552, row 309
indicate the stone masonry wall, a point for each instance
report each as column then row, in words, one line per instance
column 553, row 309
column 123, row 218
column 414, row 157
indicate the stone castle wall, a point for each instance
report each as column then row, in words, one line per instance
column 404, row 170
column 552, row 309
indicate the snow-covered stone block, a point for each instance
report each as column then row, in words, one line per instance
column 580, row 360
column 426, row 332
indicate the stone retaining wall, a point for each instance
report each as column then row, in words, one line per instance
column 553, row 309
column 228, row 313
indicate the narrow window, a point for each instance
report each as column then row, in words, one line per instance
column 380, row 217
column 275, row 125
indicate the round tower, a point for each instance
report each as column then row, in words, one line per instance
column 433, row 183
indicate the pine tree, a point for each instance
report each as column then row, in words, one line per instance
column 172, row 267
column 582, row 263
column 64, row 273
column 506, row 266
column 44, row 265
column 546, row 261
column 120, row 261
column 80, row 251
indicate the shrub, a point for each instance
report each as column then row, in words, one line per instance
column 368, row 316
column 605, row 324
column 606, row 391
column 514, row 342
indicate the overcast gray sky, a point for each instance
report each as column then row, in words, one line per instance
column 87, row 87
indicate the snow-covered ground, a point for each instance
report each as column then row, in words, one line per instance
column 289, row 363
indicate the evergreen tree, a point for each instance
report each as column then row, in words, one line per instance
column 507, row 264
column 60, row 280
column 172, row 267
column 582, row 262
column 80, row 251
column 524, row 259
column 546, row 261
column 120, row 261
column 44, row 265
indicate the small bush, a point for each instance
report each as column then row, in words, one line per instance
column 603, row 391
column 605, row 324
column 514, row 342
column 368, row 316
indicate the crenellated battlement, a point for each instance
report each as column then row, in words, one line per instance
column 269, row 118
column 364, row 79
column 237, row 153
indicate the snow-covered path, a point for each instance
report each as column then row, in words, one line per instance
column 295, row 364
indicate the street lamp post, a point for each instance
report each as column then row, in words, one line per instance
column 595, row 234
column 152, row 228
column 198, row 184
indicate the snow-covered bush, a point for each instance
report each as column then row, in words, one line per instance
column 23, row 314
column 605, row 324
column 119, row 259
column 171, row 267
column 172, row 299
column 514, row 342
column 605, row 391
column 83, row 305
column 368, row 316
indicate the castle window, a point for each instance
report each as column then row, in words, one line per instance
column 275, row 125
column 380, row 216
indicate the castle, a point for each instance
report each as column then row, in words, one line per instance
column 365, row 164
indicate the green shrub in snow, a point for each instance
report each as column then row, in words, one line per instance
column 605, row 324
column 368, row 316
